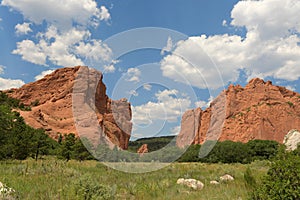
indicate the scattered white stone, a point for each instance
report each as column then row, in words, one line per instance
column 291, row 140
column 214, row 182
column 226, row 177
column 180, row 181
column 192, row 183
column 5, row 191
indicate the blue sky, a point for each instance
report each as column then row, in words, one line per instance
column 194, row 49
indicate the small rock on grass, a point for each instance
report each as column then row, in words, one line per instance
column 192, row 183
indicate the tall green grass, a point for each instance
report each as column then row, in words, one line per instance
column 56, row 179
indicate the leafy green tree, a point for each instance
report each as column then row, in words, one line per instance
column 80, row 150
column 67, row 147
column 191, row 154
column 18, row 140
column 41, row 143
column 262, row 149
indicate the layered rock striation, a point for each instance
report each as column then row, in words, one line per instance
column 74, row 100
column 260, row 110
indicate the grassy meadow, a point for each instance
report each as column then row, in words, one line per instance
column 51, row 179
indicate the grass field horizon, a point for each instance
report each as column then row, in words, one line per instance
column 51, row 178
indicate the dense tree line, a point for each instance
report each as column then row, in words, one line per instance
column 232, row 152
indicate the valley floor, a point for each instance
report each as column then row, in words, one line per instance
column 56, row 179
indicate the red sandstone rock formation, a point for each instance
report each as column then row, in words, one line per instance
column 260, row 110
column 143, row 149
column 56, row 97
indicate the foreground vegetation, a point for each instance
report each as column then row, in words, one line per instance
column 56, row 179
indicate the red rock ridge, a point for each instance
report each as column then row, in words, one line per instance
column 54, row 111
column 260, row 110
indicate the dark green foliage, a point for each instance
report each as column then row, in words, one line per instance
column 282, row 180
column 60, row 138
column 11, row 102
column 230, row 152
column 18, row 140
column 42, row 144
column 67, row 148
column 80, row 150
column 262, row 149
column 191, row 154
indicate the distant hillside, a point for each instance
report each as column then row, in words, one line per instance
column 154, row 143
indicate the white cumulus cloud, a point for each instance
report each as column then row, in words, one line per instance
column 134, row 93
column 147, row 87
column 269, row 48
column 60, row 13
column 1, row 69
column 6, row 84
column 104, row 13
column 109, row 69
column 23, row 29
column 169, row 46
column 43, row 74
column 67, row 40
column 168, row 108
column 70, row 48
column 31, row 52
column 290, row 87
column 133, row 75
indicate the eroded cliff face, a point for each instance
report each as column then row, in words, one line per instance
column 55, row 97
column 260, row 110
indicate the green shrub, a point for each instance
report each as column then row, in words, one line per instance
column 282, row 180
column 88, row 189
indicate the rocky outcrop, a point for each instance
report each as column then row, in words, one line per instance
column 292, row 140
column 74, row 100
column 260, row 110
column 143, row 149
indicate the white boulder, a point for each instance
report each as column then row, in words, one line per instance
column 192, row 183
column 226, row 177
column 291, row 140
column 214, row 182
column 5, row 191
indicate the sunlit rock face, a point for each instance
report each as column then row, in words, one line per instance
column 260, row 110
column 53, row 101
